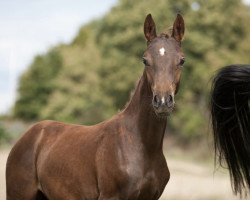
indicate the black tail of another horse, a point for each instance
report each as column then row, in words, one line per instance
column 230, row 111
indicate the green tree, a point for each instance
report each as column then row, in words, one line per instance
column 92, row 77
column 4, row 136
column 36, row 85
column 213, row 39
column 79, row 96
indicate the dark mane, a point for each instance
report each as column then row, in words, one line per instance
column 167, row 34
column 230, row 112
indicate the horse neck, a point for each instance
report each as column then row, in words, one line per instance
column 142, row 119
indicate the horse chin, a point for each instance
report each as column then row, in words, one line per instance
column 163, row 115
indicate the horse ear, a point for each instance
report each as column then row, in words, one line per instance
column 178, row 28
column 149, row 28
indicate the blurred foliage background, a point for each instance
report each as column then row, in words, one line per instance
column 91, row 78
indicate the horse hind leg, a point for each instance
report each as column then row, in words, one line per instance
column 20, row 183
column 28, row 195
column 21, row 176
column 21, row 179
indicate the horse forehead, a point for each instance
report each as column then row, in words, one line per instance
column 163, row 46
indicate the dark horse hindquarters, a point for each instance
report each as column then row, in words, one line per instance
column 230, row 111
column 121, row 158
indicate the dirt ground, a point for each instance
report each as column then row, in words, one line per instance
column 189, row 181
column 192, row 181
column 3, row 158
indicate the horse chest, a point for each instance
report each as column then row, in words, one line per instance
column 139, row 176
column 142, row 187
column 143, row 181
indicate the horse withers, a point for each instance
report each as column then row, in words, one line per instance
column 121, row 158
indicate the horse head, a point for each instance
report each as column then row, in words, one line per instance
column 163, row 60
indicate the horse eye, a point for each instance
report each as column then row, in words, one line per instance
column 182, row 61
column 145, row 62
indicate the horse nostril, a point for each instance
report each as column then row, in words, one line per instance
column 156, row 101
column 170, row 100
column 167, row 101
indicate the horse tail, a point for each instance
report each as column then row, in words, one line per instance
column 230, row 113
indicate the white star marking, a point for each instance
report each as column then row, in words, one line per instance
column 162, row 51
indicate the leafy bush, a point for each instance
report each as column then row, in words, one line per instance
column 4, row 136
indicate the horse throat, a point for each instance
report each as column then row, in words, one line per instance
column 141, row 115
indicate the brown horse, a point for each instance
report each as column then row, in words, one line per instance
column 121, row 158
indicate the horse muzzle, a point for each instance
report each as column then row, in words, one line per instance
column 163, row 105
